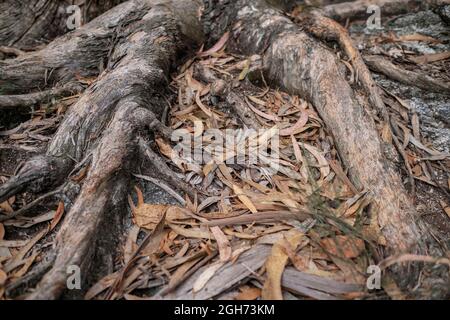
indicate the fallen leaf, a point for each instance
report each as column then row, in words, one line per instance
column 323, row 163
column 244, row 199
column 2, row 231
column 276, row 263
column 248, row 293
column 444, row 206
column 417, row 37
column 222, row 243
column 343, row 246
column 103, row 284
column 6, row 205
column 195, row 233
column 147, row 215
column 179, row 275
column 302, row 120
column 427, row 58
column 216, row 47
column 259, row 112
column 3, row 277
column 58, row 215
column 206, row 275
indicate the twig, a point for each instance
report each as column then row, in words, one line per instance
column 30, row 205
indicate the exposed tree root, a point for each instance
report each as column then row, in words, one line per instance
column 107, row 179
column 329, row 30
column 133, row 48
column 106, row 120
column 415, row 79
column 23, row 101
column 25, row 24
column 297, row 63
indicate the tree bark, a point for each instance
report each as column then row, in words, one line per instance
column 297, row 63
column 125, row 100
column 26, row 24
column 358, row 9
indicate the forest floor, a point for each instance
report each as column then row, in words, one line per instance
column 209, row 250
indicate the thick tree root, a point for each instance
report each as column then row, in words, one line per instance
column 132, row 75
column 25, row 24
column 298, row 64
column 107, row 119
column 329, row 30
column 82, row 53
column 107, row 178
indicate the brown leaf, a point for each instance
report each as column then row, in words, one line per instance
column 58, row 215
column 6, row 205
column 195, row 233
column 2, row 231
column 343, row 246
column 215, row 48
column 302, row 120
column 3, row 277
column 248, row 293
column 148, row 215
column 259, row 112
column 276, row 262
column 244, row 199
column 418, row 37
column 206, row 275
column 222, row 243
column 100, row 286
column 179, row 275
column 444, row 206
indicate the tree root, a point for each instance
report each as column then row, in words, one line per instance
column 329, row 30
column 76, row 55
column 107, row 176
column 299, row 65
column 392, row 71
column 106, row 120
column 25, row 24
column 28, row 100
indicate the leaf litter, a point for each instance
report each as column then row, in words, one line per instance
column 291, row 222
column 250, row 220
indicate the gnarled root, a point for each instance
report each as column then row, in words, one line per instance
column 298, row 64
column 25, row 24
column 105, row 122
